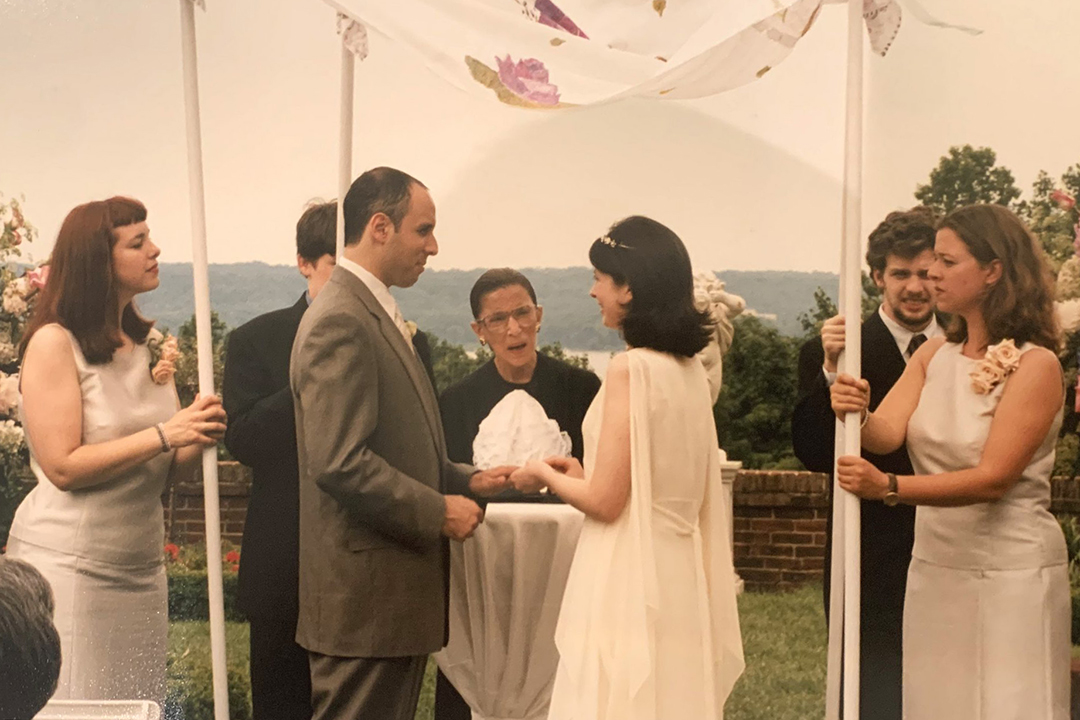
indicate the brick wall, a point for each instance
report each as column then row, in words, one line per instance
column 779, row 520
column 184, row 518
column 779, row 528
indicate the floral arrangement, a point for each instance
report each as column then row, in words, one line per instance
column 20, row 284
column 1000, row 361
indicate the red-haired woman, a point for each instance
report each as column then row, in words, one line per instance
column 104, row 439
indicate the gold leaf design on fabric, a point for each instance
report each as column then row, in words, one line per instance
column 557, row 41
column 762, row 71
column 659, row 6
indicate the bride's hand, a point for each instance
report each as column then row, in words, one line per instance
column 529, row 478
column 566, row 465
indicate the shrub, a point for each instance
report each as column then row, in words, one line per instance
column 188, row 584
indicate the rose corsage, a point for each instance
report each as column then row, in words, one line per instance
column 1000, row 361
column 164, row 352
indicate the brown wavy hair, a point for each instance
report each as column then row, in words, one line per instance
column 1021, row 304
column 80, row 293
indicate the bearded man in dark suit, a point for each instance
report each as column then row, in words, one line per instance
column 899, row 254
column 262, row 435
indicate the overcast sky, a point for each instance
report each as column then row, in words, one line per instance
column 751, row 179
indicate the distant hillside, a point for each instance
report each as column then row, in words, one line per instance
column 440, row 301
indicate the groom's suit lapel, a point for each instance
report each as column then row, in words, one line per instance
column 396, row 340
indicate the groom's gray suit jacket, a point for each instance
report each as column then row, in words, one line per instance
column 373, row 470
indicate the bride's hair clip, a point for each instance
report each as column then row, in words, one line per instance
column 613, row 243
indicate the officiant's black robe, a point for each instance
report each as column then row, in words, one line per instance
column 564, row 391
column 887, row 533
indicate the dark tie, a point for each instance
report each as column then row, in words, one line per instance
column 916, row 341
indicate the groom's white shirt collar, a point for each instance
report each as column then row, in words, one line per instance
column 374, row 284
column 903, row 336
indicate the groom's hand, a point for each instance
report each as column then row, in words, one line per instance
column 486, row 483
column 462, row 517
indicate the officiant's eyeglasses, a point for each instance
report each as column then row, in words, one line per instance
column 500, row 322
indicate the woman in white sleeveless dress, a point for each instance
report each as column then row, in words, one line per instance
column 104, row 439
column 987, row 611
column 649, row 628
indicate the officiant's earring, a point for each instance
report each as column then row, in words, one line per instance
column 482, row 343
column 538, row 326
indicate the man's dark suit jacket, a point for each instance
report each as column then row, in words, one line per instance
column 262, row 435
column 887, row 533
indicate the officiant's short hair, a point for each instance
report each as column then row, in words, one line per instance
column 904, row 233
column 496, row 279
column 652, row 260
column 316, row 231
column 383, row 190
column 29, row 643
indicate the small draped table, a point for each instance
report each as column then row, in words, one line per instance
column 506, row 588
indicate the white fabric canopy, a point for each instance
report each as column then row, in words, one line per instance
column 547, row 54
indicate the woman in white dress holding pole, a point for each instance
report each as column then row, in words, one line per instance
column 987, row 610
column 649, row 628
column 105, row 436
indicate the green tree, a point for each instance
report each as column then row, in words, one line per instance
column 1051, row 222
column 753, row 413
column 187, row 367
column 966, row 176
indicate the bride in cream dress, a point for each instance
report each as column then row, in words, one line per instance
column 649, row 628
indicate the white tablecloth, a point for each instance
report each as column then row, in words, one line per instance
column 506, row 587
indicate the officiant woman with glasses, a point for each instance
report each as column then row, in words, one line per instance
column 507, row 319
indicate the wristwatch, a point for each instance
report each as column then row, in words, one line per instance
column 892, row 497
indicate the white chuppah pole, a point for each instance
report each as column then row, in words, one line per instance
column 206, row 363
column 851, row 361
column 348, row 66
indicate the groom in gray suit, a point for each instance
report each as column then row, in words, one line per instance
column 378, row 497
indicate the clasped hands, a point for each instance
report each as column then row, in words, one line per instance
column 463, row 515
column 856, row 474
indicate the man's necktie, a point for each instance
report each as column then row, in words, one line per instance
column 916, row 341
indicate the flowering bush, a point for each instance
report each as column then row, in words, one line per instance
column 185, row 567
column 19, row 287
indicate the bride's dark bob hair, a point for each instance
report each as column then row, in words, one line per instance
column 653, row 262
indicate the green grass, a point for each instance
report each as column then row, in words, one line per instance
column 784, row 640
column 783, row 636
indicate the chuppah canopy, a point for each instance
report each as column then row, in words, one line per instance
column 537, row 54
column 541, row 54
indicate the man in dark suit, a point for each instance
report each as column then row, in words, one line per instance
column 262, row 435
column 899, row 254
column 378, row 496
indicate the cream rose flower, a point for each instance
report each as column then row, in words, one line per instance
column 985, row 377
column 9, row 393
column 13, row 302
column 1005, row 355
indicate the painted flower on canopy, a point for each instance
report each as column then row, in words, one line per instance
column 528, row 79
column 1064, row 200
column 552, row 16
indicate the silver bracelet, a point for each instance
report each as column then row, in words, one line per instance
column 865, row 418
column 166, row 446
